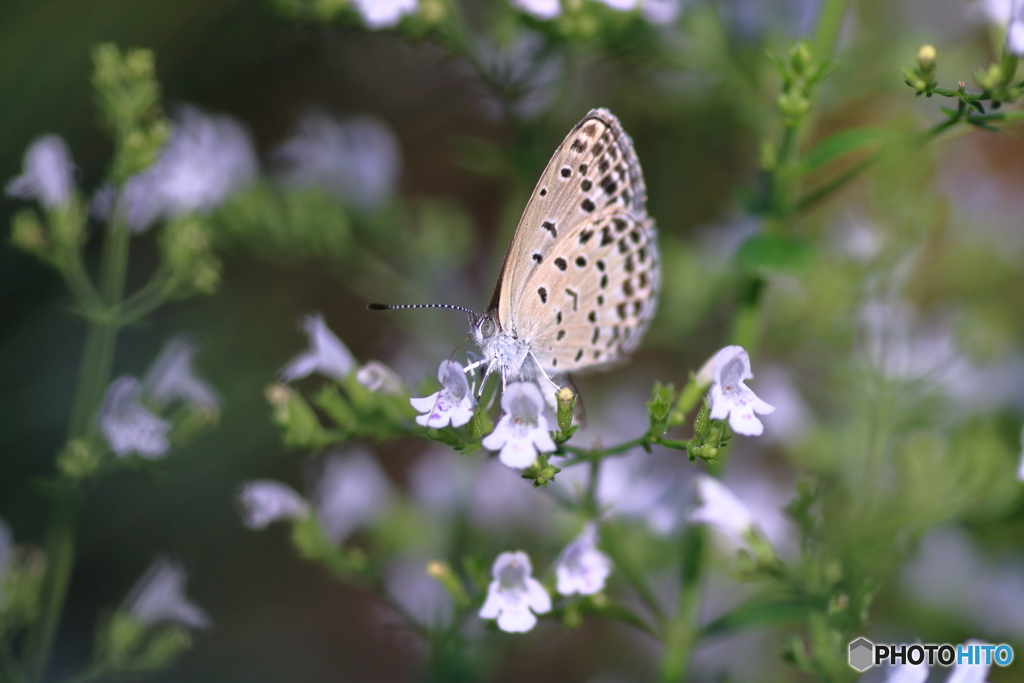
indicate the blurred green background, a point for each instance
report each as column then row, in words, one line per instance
column 698, row 99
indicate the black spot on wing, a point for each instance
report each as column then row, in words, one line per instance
column 550, row 227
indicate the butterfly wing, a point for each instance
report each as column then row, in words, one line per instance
column 587, row 208
column 592, row 300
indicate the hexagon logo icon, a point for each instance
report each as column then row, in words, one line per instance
column 862, row 653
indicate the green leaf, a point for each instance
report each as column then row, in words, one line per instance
column 841, row 143
column 759, row 612
column 769, row 254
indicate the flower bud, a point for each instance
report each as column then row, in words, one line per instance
column 78, row 460
column 566, row 403
column 442, row 571
column 28, row 234
column 800, row 59
column 926, row 56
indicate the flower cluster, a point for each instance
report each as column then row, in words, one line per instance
column 129, row 426
column 514, row 597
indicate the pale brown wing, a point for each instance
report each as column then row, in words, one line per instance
column 593, row 171
column 591, row 299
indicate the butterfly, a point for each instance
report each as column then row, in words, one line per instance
column 580, row 280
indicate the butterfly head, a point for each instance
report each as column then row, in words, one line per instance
column 483, row 327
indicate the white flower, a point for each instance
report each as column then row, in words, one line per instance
column 205, row 159
column 969, row 673
column 721, row 509
column 47, row 173
column 353, row 491
column 1015, row 30
column 582, row 568
column 159, row 596
column 419, row 594
column 264, row 501
column 522, row 431
column 663, row 12
column 378, row 377
column 1020, row 470
column 907, row 673
column 453, row 403
column 127, row 426
column 731, row 397
column 327, row 354
column 170, row 377
column 541, row 9
column 357, row 159
column 383, row 13
column 513, row 593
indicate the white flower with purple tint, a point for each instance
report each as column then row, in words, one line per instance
column 907, row 673
column 379, row 14
column 171, row 377
column 326, row 355
column 1020, row 469
column 378, row 377
column 541, row 9
column 721, row 509
column 353, row 492
column 129, row 427
column 205, row 159
column 731, row 398
column 47, row 173
column 522, row 431
column 452, row 404
column 582, row 568
column 1015, row 30
column 159, row 597
column 264, row 501
column 357, row 159
column 514, row 596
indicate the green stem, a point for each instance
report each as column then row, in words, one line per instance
column 682, row 631
column 93, row 377
column 633, row 574
column 830, row 24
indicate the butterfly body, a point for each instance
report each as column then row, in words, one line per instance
column 579, row 283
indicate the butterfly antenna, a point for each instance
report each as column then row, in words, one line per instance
column 395, row 307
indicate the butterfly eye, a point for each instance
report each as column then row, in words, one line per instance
column 487, row 328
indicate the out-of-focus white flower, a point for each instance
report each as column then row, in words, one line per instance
column 792, row 415
column 721, row 509
column 419, row 594
column 663, row 12
column 969, row 673
column 1015, row 30
column 326, row 355
column 264, row 501
column 453, row 403
column 522, row 431
column 353, row 491
column 1020, row 470
column 541, row 9
column 171, row 377
column 378, row 377
column 159, row 596
column 731, row 397
column 47, row 173
column 907, row 673
column 514, row 593
column 127, row 426
column 357, row 159
column 641, row 486
column 996, row 11
column 582, row 568
column 950, row 574
column 379, row 14
column 205, row 159
column 620, row 5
